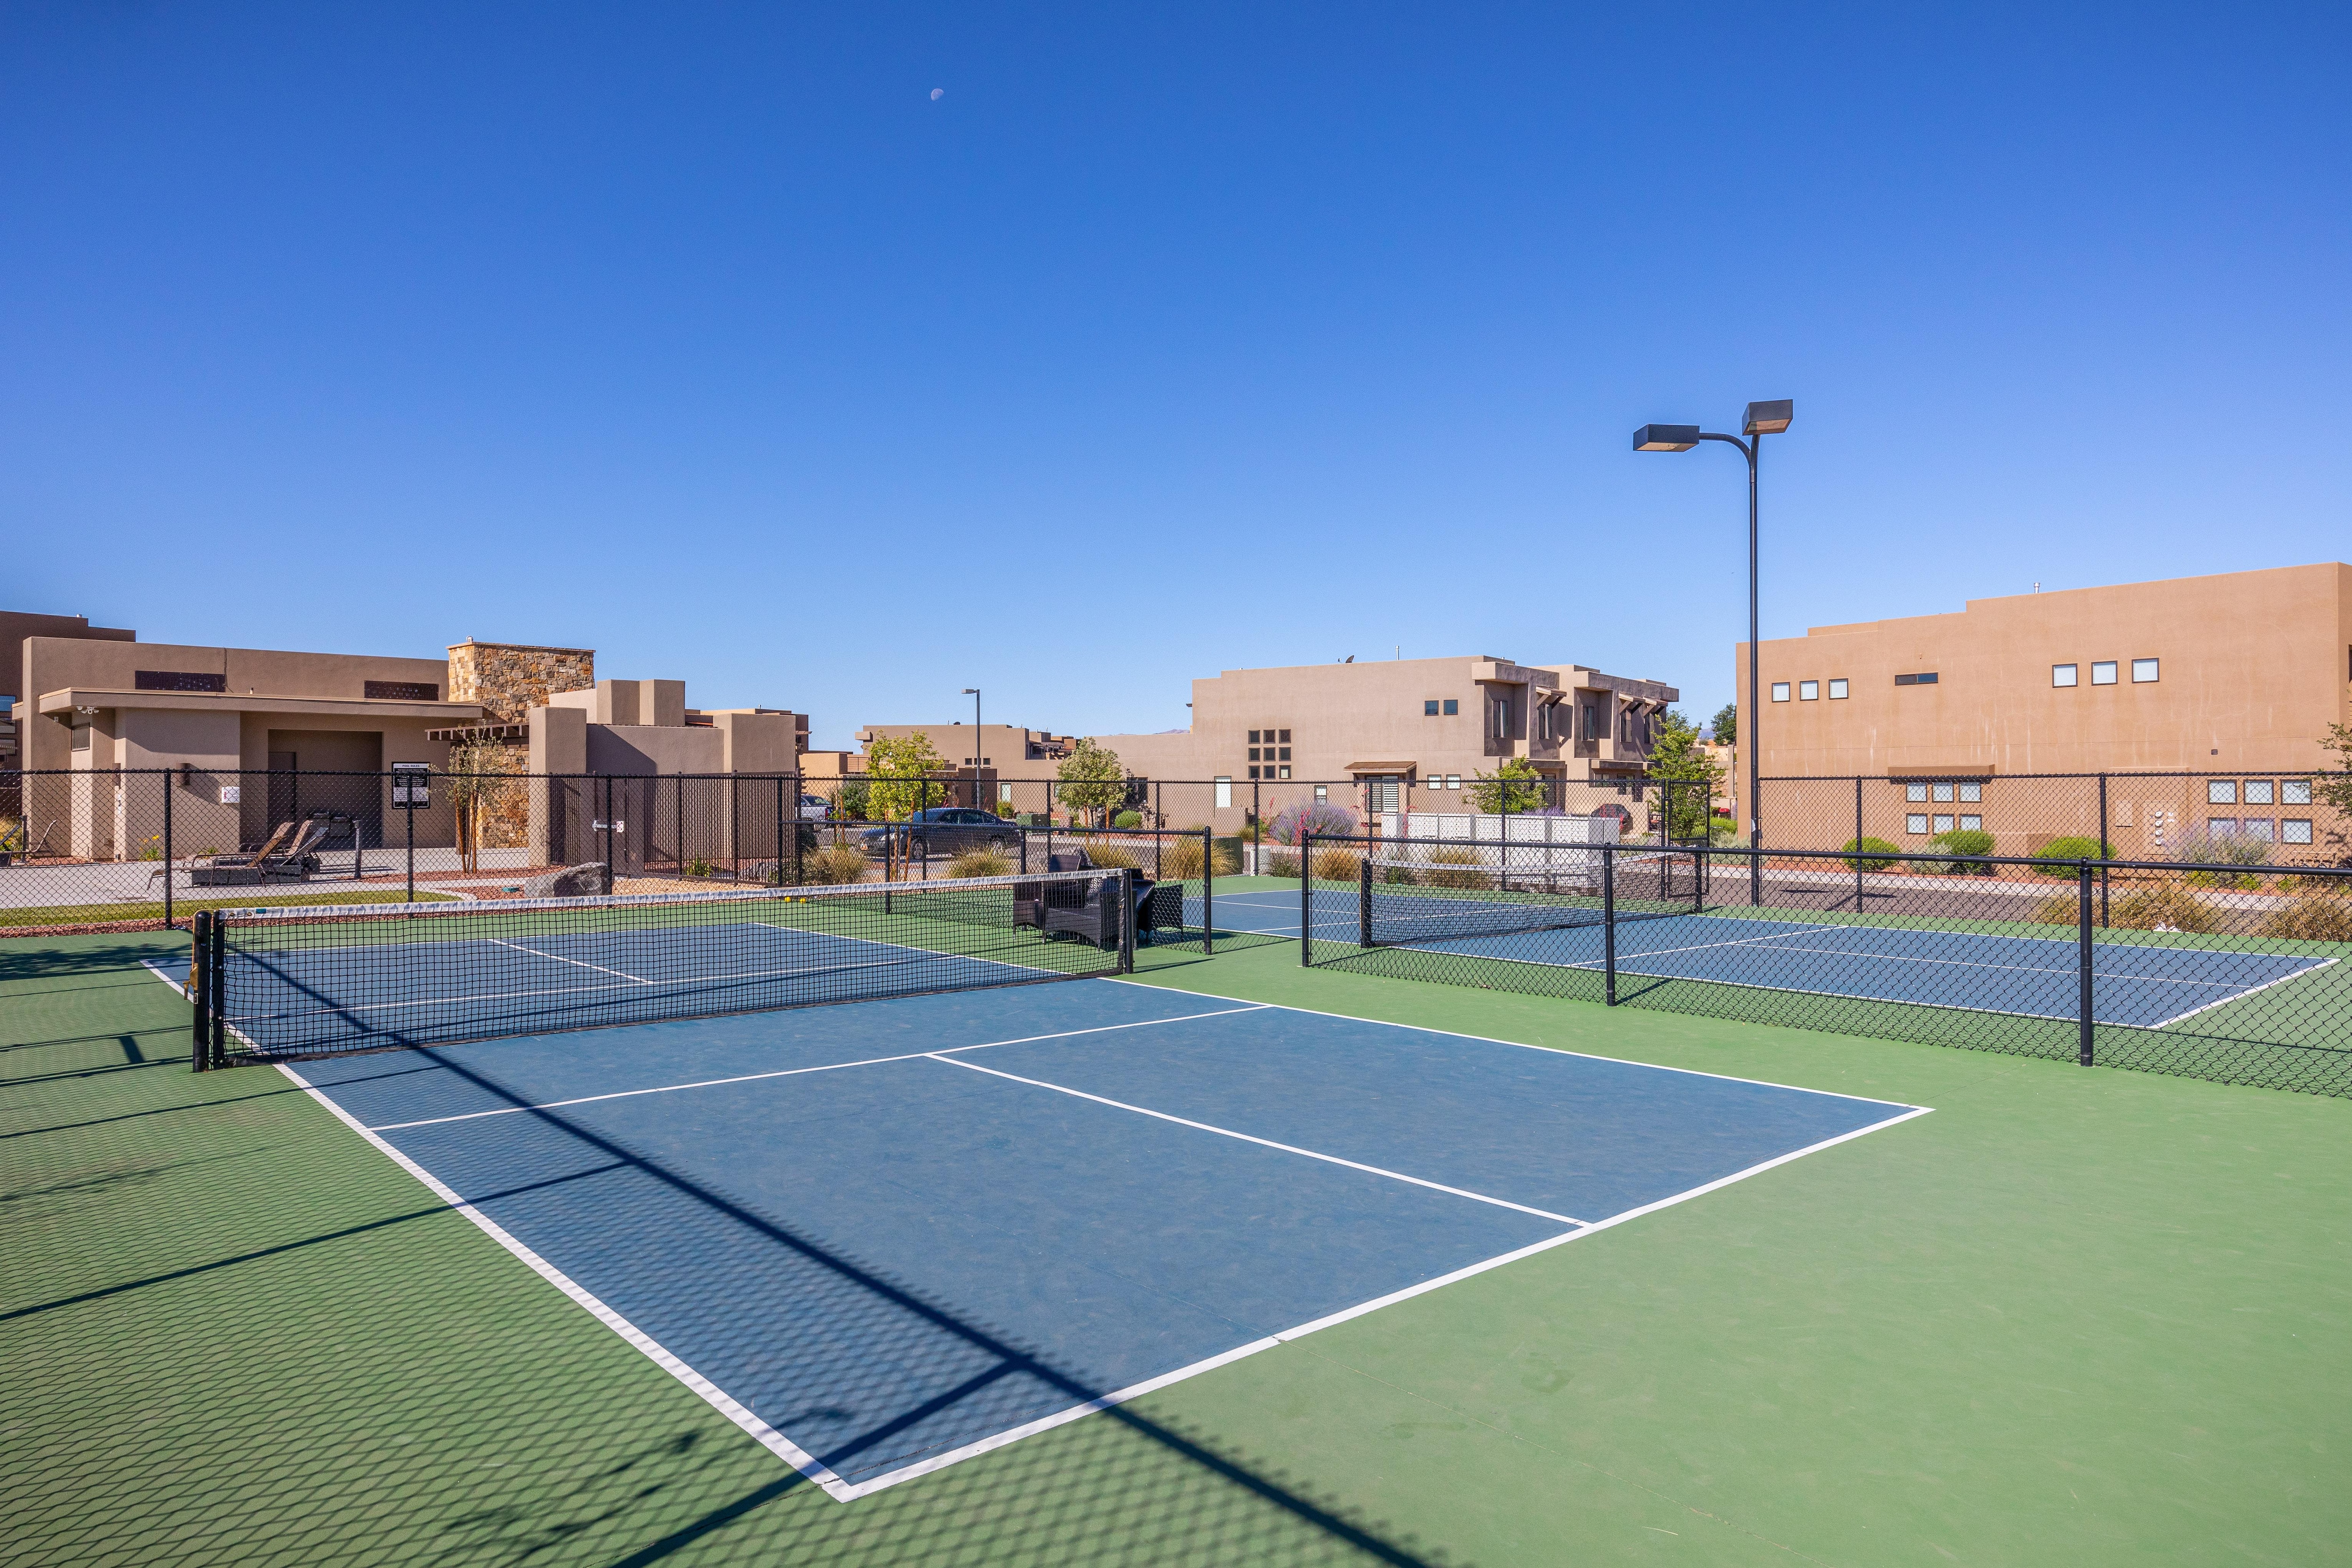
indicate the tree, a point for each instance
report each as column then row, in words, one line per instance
column 1688, row 776
column 898, row 769
column 1092, row 779
column 474, row 788
column 1515, row 787
column 1726, row 724
column 2335, row 790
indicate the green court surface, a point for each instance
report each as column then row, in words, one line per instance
column 2072, row 1317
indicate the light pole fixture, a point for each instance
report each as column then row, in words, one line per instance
column 1771, row 419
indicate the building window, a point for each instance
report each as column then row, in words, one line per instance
column 1926, row 678
column 1430, row 708
column 1252, row 773
column 1285, row 757
column 1780, row 691
column 2294, row 830
column 1283, row 737
column 1972, row 792
column 2257, row 829
column 81, row 737
column 2259, row 792
column 1915, row 822
column 1915, row 792
column 398, row 691
column 1453, row 781
column 2220, row 792
column 1941, row 791
column 2143, row 671
column 1286, row 773
column 1004, row 793
column 1943, row 823
column 2295, row 792
column 2103, row 672
column 1252, row 741
column 2065, row 675
column 1837, row 691
column 1809, row 691
column 1452, row 707
column 1224, row 792
column 2221, row 827
column 1971, row 823
column 1253, row 757
column 176, row 680
column 1322, row 791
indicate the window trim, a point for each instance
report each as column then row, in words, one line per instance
column 1915, row 822
column 2154, row 667
column 1838, row 689
column 1780, row 691
column 1809, row 691
column 2065, row 675
column 2104, row 672
column 2220, row 792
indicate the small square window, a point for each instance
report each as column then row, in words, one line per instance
column 2259, row 793
column 1915, row 792
column 2260, row 829
column 2221, row 827
column 1780, row 691
column 1252, row 773
column 2294, row 830
column 1943, row 792
column 1943, row 823
column 1430, row 708
column 2295, row 792
column 1285, row 753
column 1286, row 737
column 1452, row 707
column 2143, row 671
column 1972, row 792
column 2103, row 672
column 2065, row 675
column 1252, row 741
column 1453, row 781
column 1916, row 822
column 1971, row 823
column 1286, row 773
column 1322, row 791
column 2220, row 792
column 1809, row 691
column 1837, row 691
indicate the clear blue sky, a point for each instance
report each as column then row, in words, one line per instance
column 1157, row 343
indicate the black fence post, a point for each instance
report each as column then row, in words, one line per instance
column 1857, row 844
column 216, row 994
column 1754, row 842
column 200, row 932
column 1208, row 888
column 1364, row 898
column 2083, row 952
column 1305, row 902
column 608, row 835
column 1126, row 920
column 167, row 846
column 410, row 812
column 1609, row 918
column 2106, row 850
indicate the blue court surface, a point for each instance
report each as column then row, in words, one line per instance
column 884, row 1237
column 2145, row 986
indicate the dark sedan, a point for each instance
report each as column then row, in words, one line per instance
column 944, row 829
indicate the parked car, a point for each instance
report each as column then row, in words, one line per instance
column 944, row 830
column 815, row 808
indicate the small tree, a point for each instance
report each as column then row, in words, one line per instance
column 2334, row 791
column 1516, row 788
column 1688, row 774
column 898, row 769
column 1092, row 779
column 1726, row 724
column 473, row 787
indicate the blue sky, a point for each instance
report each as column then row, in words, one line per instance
column 1155, row 344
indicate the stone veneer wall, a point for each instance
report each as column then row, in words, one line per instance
column 509, row 679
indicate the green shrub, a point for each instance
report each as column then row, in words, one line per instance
column 1398, row 875
column 1179, row 860
column 1962, row 841
column 981, row 863
column 2314, row 917
column 836, row 863
column 1127, row 820
column 1455, row 869
column 699, row 868
column 2239, row 881
column 1869, row 854
column 1336, row 865
column 1279, row 864
column 2073, row 849
column 2059, row 909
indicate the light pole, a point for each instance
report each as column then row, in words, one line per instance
column 973, row 692
column 1763, row 419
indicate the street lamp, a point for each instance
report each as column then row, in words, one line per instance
column 973, row 692
column 1763, row 419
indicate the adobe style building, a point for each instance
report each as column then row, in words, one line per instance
column 2204, row 674
column 1389, row 724
column 15, row 627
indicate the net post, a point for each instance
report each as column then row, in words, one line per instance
column 1207, row 889
column 1126, row 876
column 200, row 930
column 409, row 811
column 1609, row 918
column 2083, row 1027
column 1305, row 902
column 1364, row 898
column 217, row 988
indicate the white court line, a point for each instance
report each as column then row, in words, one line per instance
column 795, row 1072
column 1265, row 1142
column 2223, row 1001
column 501, row 941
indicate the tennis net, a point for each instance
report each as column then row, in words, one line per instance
column 275, row 984
column 1417, row 892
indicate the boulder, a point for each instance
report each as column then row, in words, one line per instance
column 567, row 882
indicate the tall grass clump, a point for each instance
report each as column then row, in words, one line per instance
column 2313, row 916
column 1455, row 869
column 834, row 864
column 981, row 863
column 1337, row 864
column 1112, row 857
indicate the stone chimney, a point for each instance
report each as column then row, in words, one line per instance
column 509, row 679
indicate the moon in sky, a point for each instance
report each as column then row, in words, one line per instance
column 937, row 93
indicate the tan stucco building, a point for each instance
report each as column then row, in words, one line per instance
column 2207, row 674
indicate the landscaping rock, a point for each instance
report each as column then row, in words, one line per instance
column 567, row 882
